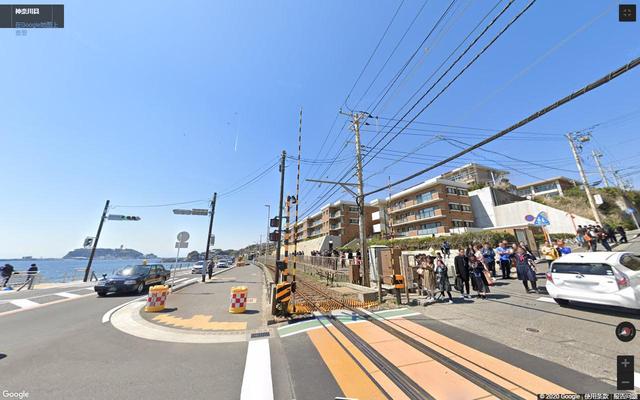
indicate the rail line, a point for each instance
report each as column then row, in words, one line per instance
column 320, row 302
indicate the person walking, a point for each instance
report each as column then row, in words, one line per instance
column 429, row 278
column 549, row 252
column 31, row 274
column 420, row 273
column 603, row 238
column 461, row 265
column 6, row 273
column 489, row 257
column 210, row 268
column 562, row 249
column 504, row 252
column 442, row 279
column 480, row 284
column 592, row 237
column 446, row 249
column 525, row 269
column 611, row 234
column 622, row 233
column 580, row 231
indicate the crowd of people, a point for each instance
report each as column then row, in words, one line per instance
column 590, row 236
column 7, row 271
column 476, row 267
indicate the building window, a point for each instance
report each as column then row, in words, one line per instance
column 353, row 209
column 353, row 220
column 428, row 229
column 457, row 191
column 421, row 198
column 461, row 224
column 398, row 204
column 426, row 212
column 459, row 207
column 545, row 187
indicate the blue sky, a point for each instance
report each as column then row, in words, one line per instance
column 150, row 103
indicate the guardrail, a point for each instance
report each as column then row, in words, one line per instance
column 333, row 273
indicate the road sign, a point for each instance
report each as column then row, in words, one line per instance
column 199, row 211
column 630, row 211
column 88, row 242
column 183, row 236
column 541, row 219
column 598, row 199
column 529, row 218
column 115, row 217
column 182, row 245
column 212, row 240
column 181, row 211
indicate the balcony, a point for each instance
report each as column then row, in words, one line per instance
column 416, row 221
column 335, row 215
column 413, row 204
column 336, row 227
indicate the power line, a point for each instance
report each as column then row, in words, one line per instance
column 373, row 53
column 586, row 89
column 462, row 71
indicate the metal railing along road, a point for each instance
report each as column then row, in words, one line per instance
column 329, row 268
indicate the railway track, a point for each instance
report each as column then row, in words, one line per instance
column 317, row 300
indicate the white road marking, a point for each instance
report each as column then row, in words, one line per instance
column 24, row 303
column 636, row 379
column 546, row 299
column 67, row 295
column 107, row 316
column 256, row 382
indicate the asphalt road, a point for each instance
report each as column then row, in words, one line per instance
column 64, row 351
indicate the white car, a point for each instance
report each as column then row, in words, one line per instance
column 222, row 264
column 197, row 267
column 606, row 278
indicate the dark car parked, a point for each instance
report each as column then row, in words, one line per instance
column 132, row 279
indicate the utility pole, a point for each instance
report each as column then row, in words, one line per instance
column 617, row 179
column 357, row 121
column 574, row 149
column 279, row 243
column 206, row 252
column 95, row 242
column 596, row 157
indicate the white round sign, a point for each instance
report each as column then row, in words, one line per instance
column 183, row 236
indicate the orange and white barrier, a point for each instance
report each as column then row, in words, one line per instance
column 157, row 298
column 238, row 299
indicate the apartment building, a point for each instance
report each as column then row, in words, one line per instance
column 476, row 174
column 430, row 208
column 339, row 219
column 548, row 187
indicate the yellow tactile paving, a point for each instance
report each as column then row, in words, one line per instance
column 479, row 361
column 199, row 321
column 353, row 382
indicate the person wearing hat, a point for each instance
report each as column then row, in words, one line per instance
column 31, row 274
column 7, row 271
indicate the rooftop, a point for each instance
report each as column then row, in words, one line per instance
column 476, row 165
column 556, row 178
column 427, row 184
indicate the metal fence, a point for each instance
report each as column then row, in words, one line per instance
column 328, row 269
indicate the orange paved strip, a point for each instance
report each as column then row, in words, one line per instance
column 436, row 379
column 352, row 380
column 491, row 367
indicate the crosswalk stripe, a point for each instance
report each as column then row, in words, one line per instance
column 636, row 379
column 24, row 303
column 256, row 381
column 546, row 299
column 67, row 295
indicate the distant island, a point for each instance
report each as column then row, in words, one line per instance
column 108, row 254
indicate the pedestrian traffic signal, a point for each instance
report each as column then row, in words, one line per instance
column 274, row 236
column 274, row 222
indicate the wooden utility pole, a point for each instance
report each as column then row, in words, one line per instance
column 279, row 243
column 585, row 183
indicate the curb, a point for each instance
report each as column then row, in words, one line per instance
column 196, row 280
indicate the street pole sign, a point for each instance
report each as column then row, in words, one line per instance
column 183, row 236
column 115, row 217
column 200, row 211
column 181, row 245
column 88, row 242
column 541, row 219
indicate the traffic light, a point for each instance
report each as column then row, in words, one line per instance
column 274, row 236
column 274, row 222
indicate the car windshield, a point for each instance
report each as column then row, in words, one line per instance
column 133, row 270
column 582, row 268
column 630, row 261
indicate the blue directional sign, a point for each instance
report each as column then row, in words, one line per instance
column 630, row 211
column 541, row 219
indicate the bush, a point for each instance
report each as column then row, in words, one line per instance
column 456, row 240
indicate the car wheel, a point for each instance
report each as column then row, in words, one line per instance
column 101, row 294
column 562, row 302
column 140, row 288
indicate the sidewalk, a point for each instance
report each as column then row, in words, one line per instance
column 205, row 306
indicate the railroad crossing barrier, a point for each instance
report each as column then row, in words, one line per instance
column 238, row 299
column 283, row 297
column 398, row 284
column 157, row 297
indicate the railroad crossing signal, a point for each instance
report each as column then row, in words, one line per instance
column 274, row 236
column 115, row 217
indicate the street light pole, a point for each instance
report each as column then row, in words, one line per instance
column 596, row 157
column 206, row 252
column 279, row 243
column 95, row 242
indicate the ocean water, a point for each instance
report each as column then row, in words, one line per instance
column 59, row 270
